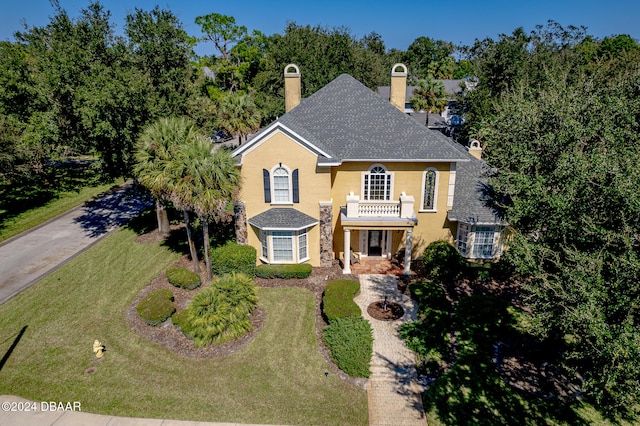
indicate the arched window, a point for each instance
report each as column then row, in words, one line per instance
column 376, row 183
column 281, row 186
column 429, row 190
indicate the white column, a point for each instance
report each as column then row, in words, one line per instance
column 407, row 252
column 347, row 252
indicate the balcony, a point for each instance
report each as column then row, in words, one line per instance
column 402, row 209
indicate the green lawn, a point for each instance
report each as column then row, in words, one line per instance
column 65, row 201
column 277, row 378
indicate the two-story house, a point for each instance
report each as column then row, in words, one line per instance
column 346, row 170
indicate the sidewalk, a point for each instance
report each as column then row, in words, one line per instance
column 394, row 395
column 27, row 257
column 72, row 418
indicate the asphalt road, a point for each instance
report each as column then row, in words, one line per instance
column 27, row 257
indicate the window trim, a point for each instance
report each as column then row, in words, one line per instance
column 435, row 190
column 366, row 195
column 294, row 236
column 289, row 200
column 283, row 236
column 466, row 235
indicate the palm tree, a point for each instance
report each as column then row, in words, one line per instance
column 210, row 179
column 153, row 151
column 158, row 167
column 429, row 96
column 238, row 115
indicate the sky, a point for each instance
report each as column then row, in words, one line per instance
column 399, row 23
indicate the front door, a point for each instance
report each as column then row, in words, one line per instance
column 375, row 243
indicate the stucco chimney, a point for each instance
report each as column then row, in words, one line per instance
column 475, row 149
column 398, row 90
column 292, row 91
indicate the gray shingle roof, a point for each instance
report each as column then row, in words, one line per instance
column 471, row 191
column 348, row 121
column 282, row 218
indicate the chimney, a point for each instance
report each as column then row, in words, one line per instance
column 292, row 92
column 398, row 90
column 475, row 149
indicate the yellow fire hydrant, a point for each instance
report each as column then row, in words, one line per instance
column 98, row 348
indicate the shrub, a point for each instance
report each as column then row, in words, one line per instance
column 350, row 340
column 181, row 320
column 156, row 307
column 337, row 300
column 429, row 337
column 442, row 262
column 183, row 278
column 302, row 270
column 233, row 257
column 222, row 311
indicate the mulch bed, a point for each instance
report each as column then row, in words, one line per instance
column 168, row 335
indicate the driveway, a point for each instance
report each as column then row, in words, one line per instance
column 27, row 257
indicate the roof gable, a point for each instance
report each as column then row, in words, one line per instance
column 346, row 121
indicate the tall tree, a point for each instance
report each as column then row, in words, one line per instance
column 426, row 56
column 238, row 115
column 322, row 54
column 163, row 52
column 566, row 148
column 209, row 182
column 429, row 96
column 222, row 30
column 161, row 168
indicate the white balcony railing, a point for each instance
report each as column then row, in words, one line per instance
column 380, row 208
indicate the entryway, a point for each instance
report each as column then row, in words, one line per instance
column 375, row 242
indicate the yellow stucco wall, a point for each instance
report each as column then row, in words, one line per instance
column 314, row 184
column 407, row 177
column 322, row 184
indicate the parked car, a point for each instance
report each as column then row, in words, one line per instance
column 220, row 136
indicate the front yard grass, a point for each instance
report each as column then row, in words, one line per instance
column 277, row 378
column 11, row 225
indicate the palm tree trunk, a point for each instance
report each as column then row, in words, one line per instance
column 207, row 258
column 163, row 218
column 192, row 245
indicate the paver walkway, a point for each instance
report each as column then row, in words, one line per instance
column 394, row 394
column 29, row 256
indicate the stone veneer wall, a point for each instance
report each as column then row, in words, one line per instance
column 240, row 222
column 326, row 234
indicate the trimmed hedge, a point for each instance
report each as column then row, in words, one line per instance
column 350, row 340
column 181, row 320
column 156, row 307
column 302, row 270
column 233, row 257
column 183, row 278
column 337, row 300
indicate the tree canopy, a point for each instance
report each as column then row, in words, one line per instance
column 564, row 141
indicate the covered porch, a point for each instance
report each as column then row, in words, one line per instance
column 370, row 243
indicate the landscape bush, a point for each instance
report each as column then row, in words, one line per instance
column 233, row 257
column 302, row 270
column 222, row 311
column 156, row 307
column 181, row 320
column 350, row 340
column 183, row 278
column 428, row 336
column 337, row 300
column 442, row 262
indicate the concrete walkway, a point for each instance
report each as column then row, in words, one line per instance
column 27, row 257
column 394, row 395
column 47, row 417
